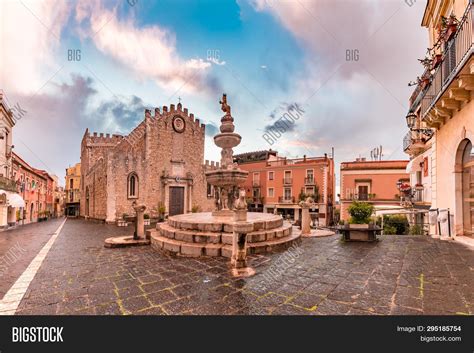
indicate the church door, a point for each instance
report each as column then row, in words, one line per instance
column 176, row 205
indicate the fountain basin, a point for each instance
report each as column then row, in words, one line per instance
column 226, row 177
column 227, row 140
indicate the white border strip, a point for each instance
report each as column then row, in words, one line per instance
column 11, row 300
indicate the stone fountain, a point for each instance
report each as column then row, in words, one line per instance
column 229, row 230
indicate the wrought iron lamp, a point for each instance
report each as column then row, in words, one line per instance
column 411, row 123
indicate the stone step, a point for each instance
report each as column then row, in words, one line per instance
column 194, row 236
column 205, row 222
column 184, row 248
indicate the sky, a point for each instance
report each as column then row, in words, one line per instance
column 343, row 65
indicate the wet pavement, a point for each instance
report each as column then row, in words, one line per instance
column 398, row 275
column 19, row 246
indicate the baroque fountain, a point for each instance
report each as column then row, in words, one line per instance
column 229, row 230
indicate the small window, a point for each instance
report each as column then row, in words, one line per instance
column 271, row 192
column 271, row 175
column 132, row 186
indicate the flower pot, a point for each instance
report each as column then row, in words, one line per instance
column 450, row 30
column 436, row 61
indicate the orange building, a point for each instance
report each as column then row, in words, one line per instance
column 32, row 186
column 277, row 184
column 372, row 181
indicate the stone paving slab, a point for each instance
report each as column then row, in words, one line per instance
column 398, row 275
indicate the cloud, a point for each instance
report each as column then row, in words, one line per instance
column 30, row 34
column 357, row 62
column 149, row 52
column 68, row 108
column 211, row 129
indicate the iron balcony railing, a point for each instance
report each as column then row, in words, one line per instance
column 256, row 183
column 287, row 181
column 456, row 51
column 283, row 199
column 309, row 181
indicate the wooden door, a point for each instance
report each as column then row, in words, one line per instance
column 176, row 202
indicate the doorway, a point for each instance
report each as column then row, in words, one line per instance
column 468, row 189
column 176, row 201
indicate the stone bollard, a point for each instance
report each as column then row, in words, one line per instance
column 305, row 217
column 139, row 222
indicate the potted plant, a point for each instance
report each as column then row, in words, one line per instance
column 146, row 219
column 450, row 26
column 161, row 212
column 196, row 209
column 360, row 227
column 436, row 61
column 419, row 187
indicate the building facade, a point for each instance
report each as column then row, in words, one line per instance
column 10, row 200
column 32, row 186
column 375, row 182
column 278, row 184
column 159, row 164
column 72, row 190
column 440, row 117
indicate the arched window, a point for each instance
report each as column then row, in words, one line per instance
column 132, row 186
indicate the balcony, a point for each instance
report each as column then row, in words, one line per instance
column 256, row 183
column 283, row 199
column 287, row 181
column 309, row 181
column 413, row 144
column 8, row 184
column 453, row 79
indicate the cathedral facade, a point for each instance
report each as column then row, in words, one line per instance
column 159, row 164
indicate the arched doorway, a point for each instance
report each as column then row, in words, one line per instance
column 468, row 188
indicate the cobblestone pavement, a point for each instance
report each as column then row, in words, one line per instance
column 323, row 276
column 19, row 246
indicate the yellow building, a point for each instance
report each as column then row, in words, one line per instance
column 72, row 190
column 441, row 117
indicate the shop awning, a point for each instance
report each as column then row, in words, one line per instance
column 414, row 164
column 13, row 199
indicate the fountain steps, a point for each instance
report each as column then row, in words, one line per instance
column 191, row 249
column 196, row 236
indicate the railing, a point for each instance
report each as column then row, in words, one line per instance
column 407, row 141
column 7, row 184
column 455, row 51
column 287, row 181
column 309, row 181
column 256, row 183
column 283, row 199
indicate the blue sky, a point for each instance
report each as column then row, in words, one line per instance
column 266, row 55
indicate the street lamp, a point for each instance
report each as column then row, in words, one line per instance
column 411, row 122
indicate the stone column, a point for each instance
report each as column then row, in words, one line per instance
column 139, row 222
column 239, row 240
column 305, row 218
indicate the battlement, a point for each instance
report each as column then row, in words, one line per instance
column 210, row 165
column 172, row 109
column 95, row 137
